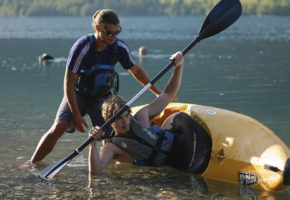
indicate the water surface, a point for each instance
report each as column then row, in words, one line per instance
column 244, row 69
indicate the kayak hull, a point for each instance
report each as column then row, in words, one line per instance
column 244, row 151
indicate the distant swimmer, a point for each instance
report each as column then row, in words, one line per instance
column 142, row 51
column 44, row 58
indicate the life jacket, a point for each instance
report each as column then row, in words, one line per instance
column 98, row 80
column 150, row 146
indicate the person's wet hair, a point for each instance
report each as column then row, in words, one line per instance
column 112, row 105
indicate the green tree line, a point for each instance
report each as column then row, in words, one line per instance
column 134, row 7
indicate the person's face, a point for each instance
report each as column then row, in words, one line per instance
column 122, row 124
column 109, row 32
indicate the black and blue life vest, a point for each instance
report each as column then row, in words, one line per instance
column 150, row 145
column 99, row 80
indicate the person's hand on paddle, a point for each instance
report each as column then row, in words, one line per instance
column 80, row 124
column 179, row 60
column 96, row 133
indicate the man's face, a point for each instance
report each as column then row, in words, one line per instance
column 109, row 32
column 122, row 124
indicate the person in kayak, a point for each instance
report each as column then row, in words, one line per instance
column 184, row 144
column 90, row 78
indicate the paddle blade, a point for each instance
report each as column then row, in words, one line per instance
column 50, row 171
column 224, row 14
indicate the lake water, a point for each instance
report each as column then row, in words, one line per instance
column 244, row 69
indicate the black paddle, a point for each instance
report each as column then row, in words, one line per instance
column 224, row 14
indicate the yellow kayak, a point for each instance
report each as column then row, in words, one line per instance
column 244, row 151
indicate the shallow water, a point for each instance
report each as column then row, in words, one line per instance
column 246, row 75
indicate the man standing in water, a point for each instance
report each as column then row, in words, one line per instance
column 90, row 78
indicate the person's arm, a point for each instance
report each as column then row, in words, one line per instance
column 69, row 90
column 170, row 91
column 99, row 161
column 140, row 74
